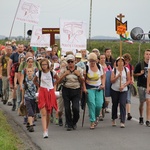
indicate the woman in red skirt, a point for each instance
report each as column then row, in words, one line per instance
column 46, row 98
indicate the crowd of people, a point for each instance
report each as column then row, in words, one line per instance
column 32, row 79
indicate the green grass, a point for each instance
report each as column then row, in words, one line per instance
column 8, row 139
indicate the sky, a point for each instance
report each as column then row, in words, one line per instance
column 103, row 15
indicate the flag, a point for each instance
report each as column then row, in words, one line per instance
column 28, row 12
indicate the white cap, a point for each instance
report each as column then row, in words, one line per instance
column 48, row 49
column 70, row 57
column 78, row 55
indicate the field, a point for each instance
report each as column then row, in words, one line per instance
column 8, row 139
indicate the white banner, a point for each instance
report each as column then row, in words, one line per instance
column 28, row 12
column 38, row 39
column 72, row 34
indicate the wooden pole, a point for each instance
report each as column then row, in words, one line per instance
column 14, row 20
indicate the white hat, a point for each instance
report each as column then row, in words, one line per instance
column 78, row 55
column 48, row 49
column 70, row 57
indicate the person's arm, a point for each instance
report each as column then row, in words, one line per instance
column 114, row 77
column 15, row 80
column 0, row 70
column 9, row 67
column 67, row 72
column 35, row 81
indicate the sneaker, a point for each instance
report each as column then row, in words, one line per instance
column 56, row 121
column 60, row 122
column 147, row 123
column 45, row 135
column 4, row 102
column 9, row 103
column 27, row 126
column 122, row 125
column 74, row 127
column 69, row 128
column 129, row 117
column 31, row 129
column 141, row 122
column 114, row 123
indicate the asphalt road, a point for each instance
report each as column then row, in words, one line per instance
column 104, row 137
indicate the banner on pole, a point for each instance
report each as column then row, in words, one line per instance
column 72, row 34
column 28, row 12
column 38, row 39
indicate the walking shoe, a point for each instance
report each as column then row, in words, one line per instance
column 31, row 129
column 45, row 135
column 27, row 126
column 101, row 118
column 141, row 122
column 129, row 117
column 74, row 127
column 69, row 128
column 114, row 123
column 9, row 104
column 56, row 121
column 60, row 122
column 147, row 123
column 122, row 125
column 4, row 102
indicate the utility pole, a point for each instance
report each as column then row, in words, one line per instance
column 90, row 21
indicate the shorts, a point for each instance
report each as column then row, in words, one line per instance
column 60, row 103
column 142, row 93
column 30, row 106
column 147, row 96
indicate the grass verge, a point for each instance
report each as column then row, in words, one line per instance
column 8, row 138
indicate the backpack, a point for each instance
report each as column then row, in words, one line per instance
column 98, row 66
column 124, row 69
column 40, row 73
column 12, row 72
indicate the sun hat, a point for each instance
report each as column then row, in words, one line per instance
column 48, row 49
column 29, row 58
column 70, row 57
column 92, row 56
column 78, row 55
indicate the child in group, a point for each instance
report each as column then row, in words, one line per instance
column 46, row 97
column 29, row 96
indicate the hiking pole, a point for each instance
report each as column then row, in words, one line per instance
column 85, row 99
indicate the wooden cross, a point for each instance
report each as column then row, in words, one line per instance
column 120, row 16
column 52, row 32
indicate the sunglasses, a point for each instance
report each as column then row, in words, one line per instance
column 70, row 61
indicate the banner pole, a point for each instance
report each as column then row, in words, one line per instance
column 14, row 20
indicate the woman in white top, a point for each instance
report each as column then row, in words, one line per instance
column 120, row 78
column 46, row 98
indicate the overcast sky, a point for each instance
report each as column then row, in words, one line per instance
column 136, row 12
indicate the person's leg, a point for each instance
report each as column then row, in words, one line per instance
column 4, row 89
column 75, row 106
column 115, row 101
column 122, row 102
column 68, row 114
column 148, row 111
column 128, row 104
column 14, row 100
column 142, row 99
column 44, row 122
column 99, row 100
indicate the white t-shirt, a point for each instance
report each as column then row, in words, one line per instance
column 46, row 79
column 149, row 64
column 115, row 86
